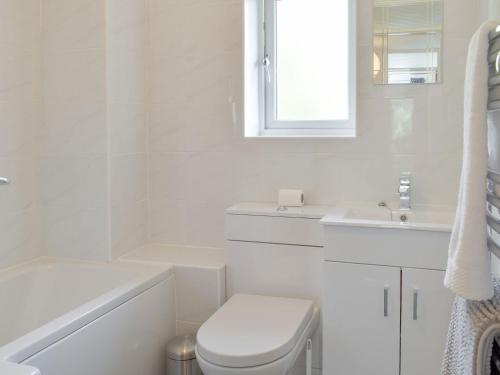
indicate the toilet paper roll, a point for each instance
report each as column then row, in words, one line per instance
column 290, row 198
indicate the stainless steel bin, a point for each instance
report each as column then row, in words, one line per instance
column 181, row 356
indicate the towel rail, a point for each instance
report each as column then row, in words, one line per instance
column 494, row 71
column 493, row 34
column 493, row 178
column 494, row 249
column 493, row 214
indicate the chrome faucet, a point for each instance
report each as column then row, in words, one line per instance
column 4, row 181
column 405, row 191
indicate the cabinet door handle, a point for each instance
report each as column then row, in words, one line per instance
column 386, row 301
column 415, row 304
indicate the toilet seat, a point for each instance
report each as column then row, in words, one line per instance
column 251, row 331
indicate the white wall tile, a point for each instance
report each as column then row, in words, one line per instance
column 217, row 27
column 22, row 235
column 125, row 74
column 198, row 293
column 127, row 128
column 445, row 134
column 461, row 18
column 20, row 23
column 77, row 232
column 169, row 175
column 17, row 68
column 205, row 222
column 168, row 221
column 128, row 227
column 75, row 181
column 73, row 24
column 128, row 179
column 211, row 177
column 23, row 191
column 74, row 102
column 19, row 126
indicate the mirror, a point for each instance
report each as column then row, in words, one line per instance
column 407, row 41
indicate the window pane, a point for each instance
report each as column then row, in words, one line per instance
column 312, row 60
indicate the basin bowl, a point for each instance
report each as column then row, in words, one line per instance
column 419, row 217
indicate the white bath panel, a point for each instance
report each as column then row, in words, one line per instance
column 129, row 340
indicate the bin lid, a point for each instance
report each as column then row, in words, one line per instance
column 181, row 348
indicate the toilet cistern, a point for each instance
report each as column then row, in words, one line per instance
column 405, row 191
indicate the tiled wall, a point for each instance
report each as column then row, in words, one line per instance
column 126, row 111
column 20, row 102
column 74, row 141
column 74, row 145
column 94, row 139
column 200, row 163
column 72, row 129
column 491, row 9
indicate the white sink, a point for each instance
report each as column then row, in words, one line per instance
column 419, row 218
column 370, row 234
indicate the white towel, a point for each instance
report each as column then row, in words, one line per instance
column 468, row 273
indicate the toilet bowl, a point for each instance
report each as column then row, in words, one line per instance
column 255, row 335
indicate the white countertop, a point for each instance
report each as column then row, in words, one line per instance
column 178, row 255
column 272, row 209
column 419, row 218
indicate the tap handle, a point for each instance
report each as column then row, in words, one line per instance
column 404, row 188
column 405, row 179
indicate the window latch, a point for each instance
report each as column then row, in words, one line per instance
column 266, row 62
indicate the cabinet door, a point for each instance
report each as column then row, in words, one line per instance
column 361, row 317
column 426, row 309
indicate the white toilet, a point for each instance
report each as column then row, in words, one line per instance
column 268, row 252
column 255, row 335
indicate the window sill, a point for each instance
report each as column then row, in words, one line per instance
column 305, row 136
column 302, row 133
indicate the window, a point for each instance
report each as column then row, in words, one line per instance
column 305, row 67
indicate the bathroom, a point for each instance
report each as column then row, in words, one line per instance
column 157, row 186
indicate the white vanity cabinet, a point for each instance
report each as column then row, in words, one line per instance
column 361, row 318
column 383, row 320
column 425, row 314
column 385, row 308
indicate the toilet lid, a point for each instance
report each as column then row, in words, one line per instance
column 253, row 330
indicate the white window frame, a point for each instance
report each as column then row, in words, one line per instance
column 271, row 127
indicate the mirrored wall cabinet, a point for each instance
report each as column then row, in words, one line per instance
column 407, row 41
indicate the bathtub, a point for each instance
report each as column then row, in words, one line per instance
column 63, row 317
